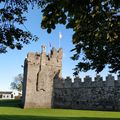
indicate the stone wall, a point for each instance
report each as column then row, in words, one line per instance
column 44, row 87
column 90, row 94
column 39, row 72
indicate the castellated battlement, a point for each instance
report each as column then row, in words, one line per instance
column 44, row 87
column 53, row 58
column 88, row 94
column 87, row 82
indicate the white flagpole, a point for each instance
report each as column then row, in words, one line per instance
column 59, row 42
column 49, row 46
column 60, row 37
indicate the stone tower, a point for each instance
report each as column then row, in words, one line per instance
column 39, row 73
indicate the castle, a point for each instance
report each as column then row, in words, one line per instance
column 39, row 72
column 44, row 87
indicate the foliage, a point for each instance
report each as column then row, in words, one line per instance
column 96, row 26
column 10, row 103
column 2, row 49
column 11, row 21
column 17, row 83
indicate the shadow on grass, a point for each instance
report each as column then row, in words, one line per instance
column 10, row 103
column 17, row 117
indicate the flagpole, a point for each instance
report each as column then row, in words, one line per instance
column 49, row 44
column 60, row 37
column 48, row 48
column 59, row 42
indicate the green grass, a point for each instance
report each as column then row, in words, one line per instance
column 10, row 110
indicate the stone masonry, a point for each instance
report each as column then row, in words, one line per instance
column 39, row 72
column 44, row 87
column 87, row 94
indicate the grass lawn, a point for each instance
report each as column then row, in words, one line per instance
column 10, row 110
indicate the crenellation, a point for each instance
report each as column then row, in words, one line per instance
column 44, row 87
column 98, row 81
column 53, row 53
column 110, row 80
column 68, row 82
column 118, row 77
column 77, row 83
column 87, row 79
column 76, row 79
column 117, row 82
column 31, row 58
column 98, row 78
column 43, row 47
column 60, row 53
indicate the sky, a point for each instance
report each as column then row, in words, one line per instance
column 11, row 62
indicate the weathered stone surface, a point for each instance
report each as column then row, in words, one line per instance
column 39, row 72
column 44, row 87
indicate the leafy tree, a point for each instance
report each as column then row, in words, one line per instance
column 11, row 19
column 17, row 83
column 96, row 26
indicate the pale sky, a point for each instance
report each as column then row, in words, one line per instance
column 10, row 63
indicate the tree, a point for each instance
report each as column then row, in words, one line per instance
column 17, row 83
column 96, row 26
column 11, row 19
